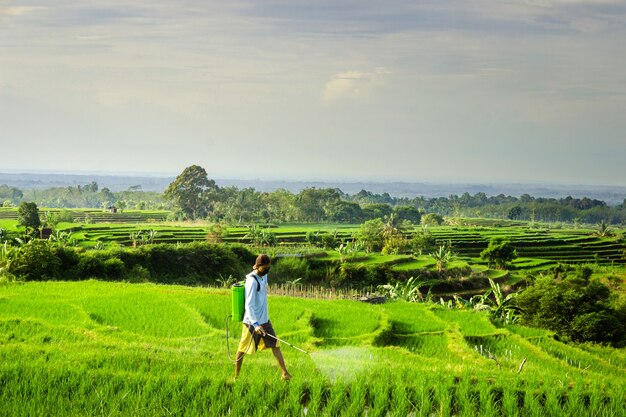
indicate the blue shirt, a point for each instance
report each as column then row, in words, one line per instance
column 256, row 301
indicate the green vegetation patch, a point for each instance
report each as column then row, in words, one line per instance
column 94, row 348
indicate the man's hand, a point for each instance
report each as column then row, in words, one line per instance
column 259, row 330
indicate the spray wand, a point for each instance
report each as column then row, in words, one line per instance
column 287, row 343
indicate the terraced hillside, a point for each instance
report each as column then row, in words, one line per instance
column 557, row 245
column 97, row 215
column 94, row 348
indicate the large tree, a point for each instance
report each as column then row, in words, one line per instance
column 192, row 192
column 499, row 253
column 28, row 215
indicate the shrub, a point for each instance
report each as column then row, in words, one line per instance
column 329, row 240
column 193, row 263
column 35, row 261
column 65, row 216
column 68, row 258
column 138, row 274
column 576, row 308
column 91, row 265
column 371, row 235
column 499, row 253
column 289, row 269
column 313, row 238
column 358, row 276
column 114, row 268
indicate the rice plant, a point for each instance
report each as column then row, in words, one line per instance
column 94, row 348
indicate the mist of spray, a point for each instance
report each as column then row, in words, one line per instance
column 343, row 363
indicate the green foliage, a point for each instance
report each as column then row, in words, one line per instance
column 147, row 349
column 99, row 264
column 8, row 254
column 407, row 291
column 603, row 229
column 28, row 215
column 260, row 237
column 432, row 219
column 499, row 253
column 370, row 234
column 9, row 194
column 313, row 237
column 515, row 213
column 314, row 205
column 408, row 213
column 349, row 250
column 344, row 212
column 351, row 275
column 198, row 262
column 192, row 192
column 575, row 307
column 35, row 261
column 216, row 233
column 392, row 234
column 376, row 211
column 422, row 241
column 329, row 240
column 442, row 256
column 289, row 269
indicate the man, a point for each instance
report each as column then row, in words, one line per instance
column 256, row 324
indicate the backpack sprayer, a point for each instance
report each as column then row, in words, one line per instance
column 238, row 304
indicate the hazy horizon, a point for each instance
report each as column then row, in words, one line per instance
column 148, row 174
column 529, row 91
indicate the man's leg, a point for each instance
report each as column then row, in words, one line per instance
column 281, row 362
column 238, row 362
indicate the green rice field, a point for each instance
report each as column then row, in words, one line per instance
column 92, row 348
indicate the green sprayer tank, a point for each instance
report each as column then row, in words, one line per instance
column 239, row 301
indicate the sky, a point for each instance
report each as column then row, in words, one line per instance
column 432, row 90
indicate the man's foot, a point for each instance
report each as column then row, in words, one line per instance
column 286, row 376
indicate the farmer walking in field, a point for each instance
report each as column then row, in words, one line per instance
column 256, row 324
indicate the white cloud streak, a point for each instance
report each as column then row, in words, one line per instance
column 353, row 84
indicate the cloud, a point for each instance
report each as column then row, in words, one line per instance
column 353, row 84
column 16, row 10
column 8, row 12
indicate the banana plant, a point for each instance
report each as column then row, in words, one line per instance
column 503, row 308
column 442, row 256
column 8, row 255
column 603, row 230
column 408, row 291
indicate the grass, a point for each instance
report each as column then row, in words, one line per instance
column 94, row 348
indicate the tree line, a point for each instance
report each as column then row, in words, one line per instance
column 192, row 195
column 84, row 196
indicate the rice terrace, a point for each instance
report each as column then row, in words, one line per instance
column 126, row 313
column 97, row 348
